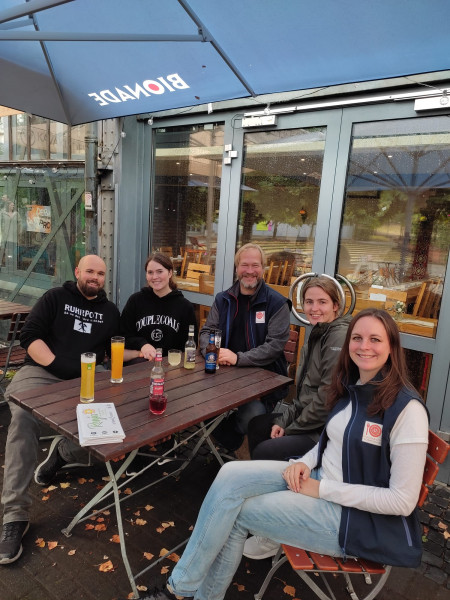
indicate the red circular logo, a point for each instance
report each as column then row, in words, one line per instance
column 375, row 430
column 259, row 315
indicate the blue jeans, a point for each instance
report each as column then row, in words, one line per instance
column 250, row 497
column 22, row 446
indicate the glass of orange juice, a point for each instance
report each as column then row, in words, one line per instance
column 87, row 377
column 117, row 348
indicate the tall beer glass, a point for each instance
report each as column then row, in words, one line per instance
column 117, row 348
column 87, row 377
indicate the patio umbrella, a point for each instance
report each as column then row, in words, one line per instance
column 77, row 61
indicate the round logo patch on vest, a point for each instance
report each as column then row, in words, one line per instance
column 372, row 433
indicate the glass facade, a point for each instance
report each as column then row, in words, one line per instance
column 364, row 197
column 394, row 236
column 188, row 172
column 42, row 229
column 279, row 198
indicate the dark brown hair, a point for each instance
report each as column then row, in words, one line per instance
column 394, row 374
column 165, row 262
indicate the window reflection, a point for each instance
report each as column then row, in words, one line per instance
column 395, row 235
column 280, row 187
column 19, row 137
column 31, row 242
column 39, row 138
column 188, row 170
column 4, row 138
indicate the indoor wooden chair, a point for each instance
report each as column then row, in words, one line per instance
column 364, row 578
column 188, row 255
column 428, row 299
column 274, row 271
column 194, row 270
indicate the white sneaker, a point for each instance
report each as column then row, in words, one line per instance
column 259, row 547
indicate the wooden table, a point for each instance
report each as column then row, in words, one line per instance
column 405, row 292
column 193, row 398
column 417, row 326
column 7, row 309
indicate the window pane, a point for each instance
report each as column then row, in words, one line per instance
column 4, row 138
column 58, row 141
column 188, row 171
column 77, row 142
column 39, row 138
column 34, row 251
column 19, row 137
column 395, row 235
column 281, row 176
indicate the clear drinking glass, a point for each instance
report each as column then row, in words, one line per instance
column 174, row 357
column 217, row 341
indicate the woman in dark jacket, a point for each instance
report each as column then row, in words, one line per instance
column 280, row 436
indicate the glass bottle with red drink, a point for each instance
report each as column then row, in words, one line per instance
column 158, row 400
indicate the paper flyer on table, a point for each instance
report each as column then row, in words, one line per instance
column 98, row 423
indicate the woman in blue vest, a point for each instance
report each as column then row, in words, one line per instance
column 353, row 494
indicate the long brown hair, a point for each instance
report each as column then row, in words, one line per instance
column 394, row 373
column 165, row 262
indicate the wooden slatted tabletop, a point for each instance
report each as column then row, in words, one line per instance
column 193, row 396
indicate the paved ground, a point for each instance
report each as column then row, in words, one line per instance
column 72, row 569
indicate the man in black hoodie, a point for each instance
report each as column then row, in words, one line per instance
column 65, row 322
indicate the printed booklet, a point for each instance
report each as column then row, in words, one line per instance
column 98, row 423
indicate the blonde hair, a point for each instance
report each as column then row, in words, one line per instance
column 250, row 246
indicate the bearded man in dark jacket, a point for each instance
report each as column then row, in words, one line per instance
column 254, row 321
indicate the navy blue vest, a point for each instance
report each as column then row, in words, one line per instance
column 390, row 539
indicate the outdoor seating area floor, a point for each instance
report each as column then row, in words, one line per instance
column 88, row 565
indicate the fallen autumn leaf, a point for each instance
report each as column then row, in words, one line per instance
column 106, row 567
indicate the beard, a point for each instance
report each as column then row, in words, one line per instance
column 88, row 289
column 249, row 285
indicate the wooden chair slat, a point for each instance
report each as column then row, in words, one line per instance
column 324, row 562
column 298, row 558
column 372, row 567
column 430, row 471
column 351, row 565
column 423, row 495
column 437, row 447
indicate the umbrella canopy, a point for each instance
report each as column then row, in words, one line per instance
column 77, row 61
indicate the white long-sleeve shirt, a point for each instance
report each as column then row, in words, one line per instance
column 408, row 446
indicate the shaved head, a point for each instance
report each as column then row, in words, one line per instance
column 90, row 274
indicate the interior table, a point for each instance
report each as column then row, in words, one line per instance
column 7, row 309
column 194, row 398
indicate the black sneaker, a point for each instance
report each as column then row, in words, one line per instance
column 11, row 541
column 46, row 471
column 162, row 594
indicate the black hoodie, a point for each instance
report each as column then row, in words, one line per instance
column 162, row 322
column 70, row 324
